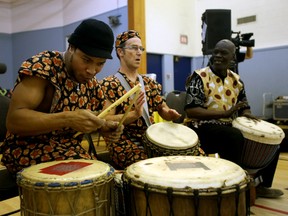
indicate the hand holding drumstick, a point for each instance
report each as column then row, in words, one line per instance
column 118, row 129
column 136, row 89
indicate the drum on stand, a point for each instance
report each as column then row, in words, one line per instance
column 71, row 187
column 168, row 138
column 186, row 185
column 262, row 140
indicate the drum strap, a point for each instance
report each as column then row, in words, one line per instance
column 127, row 88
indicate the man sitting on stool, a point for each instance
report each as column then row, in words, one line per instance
column 216, row 96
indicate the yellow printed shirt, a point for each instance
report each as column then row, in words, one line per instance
column 209, row 91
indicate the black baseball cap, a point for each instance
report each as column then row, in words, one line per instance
column 93, row 37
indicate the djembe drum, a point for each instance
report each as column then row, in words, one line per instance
column 262, row 140
column 71, row 187
column 186, row 185
column 168, row 138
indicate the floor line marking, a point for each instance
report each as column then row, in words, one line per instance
column 271, row 209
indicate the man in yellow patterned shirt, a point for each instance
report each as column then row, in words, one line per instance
column 216, row 96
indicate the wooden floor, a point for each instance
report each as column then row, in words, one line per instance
column 262, row 207
column 269, row 207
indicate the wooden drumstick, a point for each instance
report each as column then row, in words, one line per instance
column 116, row 103
column 129, row 108
column 120, row 100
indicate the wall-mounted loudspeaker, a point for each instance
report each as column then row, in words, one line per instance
column 216, row 25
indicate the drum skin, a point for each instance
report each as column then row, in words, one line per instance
column 186, row 185
column 71, row 187
column 262, row 140
column 168, row 138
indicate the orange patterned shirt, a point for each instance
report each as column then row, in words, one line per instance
column 20, row 152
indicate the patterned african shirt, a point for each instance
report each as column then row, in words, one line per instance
column 129, row 149
column 209, row 91
column 22, row 151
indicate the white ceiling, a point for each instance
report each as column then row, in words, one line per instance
column 13, row 3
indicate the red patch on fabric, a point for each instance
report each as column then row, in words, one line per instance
column 228, row 92
column 64, row 168
column 203, row 74
column 217, row 96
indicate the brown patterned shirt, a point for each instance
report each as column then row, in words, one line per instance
column 20, row 152
column 129, row 148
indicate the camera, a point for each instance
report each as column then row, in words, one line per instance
column 242, row 39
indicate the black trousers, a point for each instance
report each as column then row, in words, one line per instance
column 222, row 139
column 268, row 172
column 228, row 142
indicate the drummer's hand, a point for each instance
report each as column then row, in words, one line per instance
column 167, row 113
column 235, row 109
column 250, row 116
column 85, row 121
column 111, row 131
column 173, row 114
column 139, row 104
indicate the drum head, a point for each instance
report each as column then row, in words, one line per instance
column 180, row 172
column 259, row 131
column 67, row 173
column 171, row 135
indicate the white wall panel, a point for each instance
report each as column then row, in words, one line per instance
column 5, row 20
column 270, row 28
column 167, row 19
column 75, row 10
column 37, row 15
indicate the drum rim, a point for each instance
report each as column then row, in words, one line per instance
column 257, row 135
column 106, row 176
column 164, row 148
column 141, row 172
column 188, row 191
column 149, row 138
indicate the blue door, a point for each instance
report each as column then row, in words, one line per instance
column 182, row 69
column 154, row 65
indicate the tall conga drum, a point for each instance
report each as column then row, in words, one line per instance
column 71, row 187
column 186, row 185
column 262, row 140
column 168, row 138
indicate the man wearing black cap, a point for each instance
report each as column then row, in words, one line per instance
column 54, row 96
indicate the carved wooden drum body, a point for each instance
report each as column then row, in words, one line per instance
column 185, row 185
column 70, row 187
column 262, row 140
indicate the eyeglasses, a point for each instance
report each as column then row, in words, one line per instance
column 135, row 48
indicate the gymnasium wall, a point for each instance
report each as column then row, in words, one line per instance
column 26, row 30
column 50, row 33
column 265, row 73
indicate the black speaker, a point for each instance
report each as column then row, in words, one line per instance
column 216, row 25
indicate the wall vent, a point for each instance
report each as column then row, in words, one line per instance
column 246, row 19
